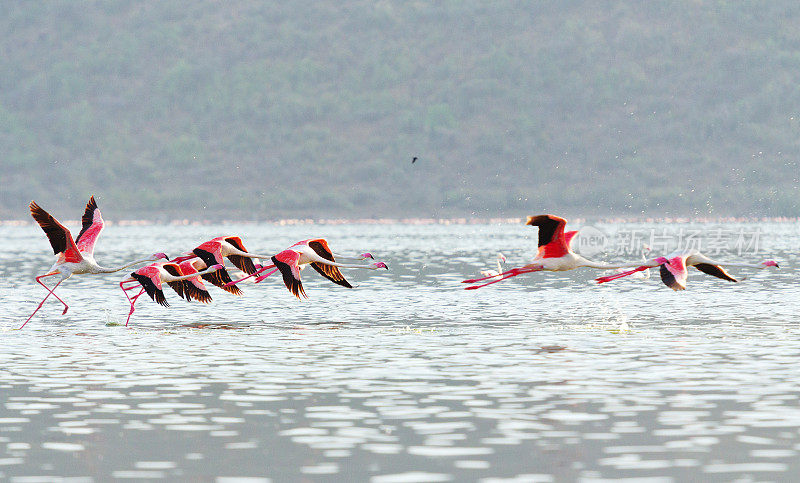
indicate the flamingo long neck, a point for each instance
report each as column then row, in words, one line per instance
column 743, row 265
column 100, row 269
column 250, row 255
column 319, row 259
column 345, row 257
column 258, row 271
column 172, row 278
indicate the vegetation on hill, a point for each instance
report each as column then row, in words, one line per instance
column 258, row 110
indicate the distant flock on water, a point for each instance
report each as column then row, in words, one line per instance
column 187, row 273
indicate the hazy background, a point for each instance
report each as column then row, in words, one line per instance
column 258, row 110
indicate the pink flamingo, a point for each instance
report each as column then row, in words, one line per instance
column 74, row 256
column 318, row 254
column 674, row 272
column 554, row 253
column 214, row 251
column 151, row 277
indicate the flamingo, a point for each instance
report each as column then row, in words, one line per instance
column 673, row 268
column 74, row 256
column 318, row 254
column 493, row 273
column 554, row 253
column 151, row 277
column 214, row 252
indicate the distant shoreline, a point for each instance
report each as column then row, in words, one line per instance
column 421, row 221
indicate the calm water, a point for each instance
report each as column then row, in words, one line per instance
column 545, row 377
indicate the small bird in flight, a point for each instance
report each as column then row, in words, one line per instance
column 414, row 160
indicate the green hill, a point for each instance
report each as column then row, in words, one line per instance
column 257, row 110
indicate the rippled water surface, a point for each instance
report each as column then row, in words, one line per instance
column 407, row 377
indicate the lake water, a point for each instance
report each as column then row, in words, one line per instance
column 407, row 377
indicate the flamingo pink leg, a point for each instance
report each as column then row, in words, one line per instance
column 259, row 279
column 131, row 300
column 473, row 280
column 511, row 273
column 49, row 292
column 609, row 278
column 261, row 268
column 39, row 281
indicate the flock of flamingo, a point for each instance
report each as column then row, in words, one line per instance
column 206, row 262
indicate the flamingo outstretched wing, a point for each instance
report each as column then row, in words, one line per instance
column 568, row 236
column 287, row 262
column 92, row 224
column 60, row 238
column 244, row 264
column 178, row 286
column 552, row 243
column 330, row 272
column 153, row 289
column 194, row 287
column 715, row 270
column 220, row 278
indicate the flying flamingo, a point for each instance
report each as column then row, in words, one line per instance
column 673, row 268
column 214, row 251
column 554, row 253
column 493, row 273
column 318, row 254
column 74, row 256
column 151, row 277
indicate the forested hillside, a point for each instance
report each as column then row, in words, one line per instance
column 257, row 110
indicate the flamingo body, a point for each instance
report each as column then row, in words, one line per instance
column 674, row 273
